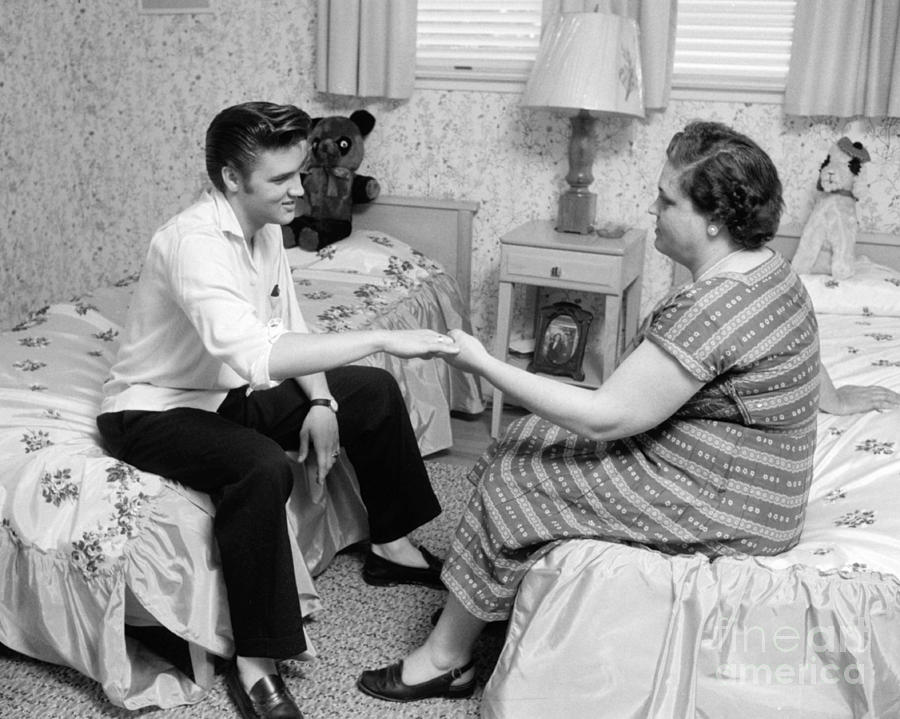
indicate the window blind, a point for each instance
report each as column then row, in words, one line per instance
column 733, row 45
column 720, row 45
column 477, row 40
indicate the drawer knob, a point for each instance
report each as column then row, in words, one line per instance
column 554, row 272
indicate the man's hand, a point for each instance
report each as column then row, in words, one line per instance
column 320, row 428
column 418, row 343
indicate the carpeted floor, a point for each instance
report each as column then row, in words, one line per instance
column 362, row 627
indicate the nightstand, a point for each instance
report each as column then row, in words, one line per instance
column 536, row 254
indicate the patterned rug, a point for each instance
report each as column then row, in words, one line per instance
column 362, row 627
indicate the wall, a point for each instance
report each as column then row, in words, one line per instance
column 103, row 110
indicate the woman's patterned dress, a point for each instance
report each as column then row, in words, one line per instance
column 728, row 473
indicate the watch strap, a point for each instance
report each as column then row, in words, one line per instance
column 322, row 402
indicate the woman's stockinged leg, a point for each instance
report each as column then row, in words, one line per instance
column 441, row 667
column 449, row 646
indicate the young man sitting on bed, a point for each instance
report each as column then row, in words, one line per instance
column 217, row 376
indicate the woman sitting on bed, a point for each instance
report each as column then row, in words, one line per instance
column 702, row 440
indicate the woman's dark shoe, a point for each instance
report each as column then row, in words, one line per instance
column 387, row 683
column 384, row 573
column 269, row 698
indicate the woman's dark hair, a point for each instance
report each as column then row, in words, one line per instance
column 239, row 133
column 730, row 179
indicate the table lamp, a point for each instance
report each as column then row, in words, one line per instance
column 588, row 65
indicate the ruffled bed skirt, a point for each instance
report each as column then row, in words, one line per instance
column 168, row 574
column 603, row 630
column 432, row 389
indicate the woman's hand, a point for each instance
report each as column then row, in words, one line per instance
column 853, row 399
column 471, row 355
column 419, row 343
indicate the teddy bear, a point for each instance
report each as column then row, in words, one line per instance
column 828, row 239
column 330, row 181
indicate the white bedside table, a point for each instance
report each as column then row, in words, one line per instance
column 535, row 254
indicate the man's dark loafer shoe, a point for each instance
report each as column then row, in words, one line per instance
column 269, row 698
column 384, row 573
column 387, row 683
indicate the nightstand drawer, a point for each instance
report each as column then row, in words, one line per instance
column 571, row 269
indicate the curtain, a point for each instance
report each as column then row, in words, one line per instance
column 845, row 59
column 656, row 22
column 366, row 48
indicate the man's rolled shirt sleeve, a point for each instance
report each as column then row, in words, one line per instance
column 229, row 325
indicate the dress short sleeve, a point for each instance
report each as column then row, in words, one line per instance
column 726, row 323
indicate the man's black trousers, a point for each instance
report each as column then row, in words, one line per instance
column 237, row 456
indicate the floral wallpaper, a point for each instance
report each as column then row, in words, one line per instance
column 103, row 110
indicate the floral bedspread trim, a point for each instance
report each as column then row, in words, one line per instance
column 89, row 553
column 105, row 500
column 393, row 271
column 341, row 308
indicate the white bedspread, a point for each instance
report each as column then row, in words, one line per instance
column 89, row 544
column 853, row 516
column 609, row 631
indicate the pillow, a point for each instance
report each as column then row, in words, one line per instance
column 873, row 290
column 367, row 252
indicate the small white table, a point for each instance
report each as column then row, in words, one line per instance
column 536, row 254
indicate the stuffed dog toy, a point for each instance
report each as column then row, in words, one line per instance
column 828, row 239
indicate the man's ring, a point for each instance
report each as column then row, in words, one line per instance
column 335, row 455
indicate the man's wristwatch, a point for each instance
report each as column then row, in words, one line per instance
column 322, row 402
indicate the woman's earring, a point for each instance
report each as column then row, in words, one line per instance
column 712, row 230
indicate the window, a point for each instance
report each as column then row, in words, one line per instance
column 474, row 44
column 732, row 47
column 737, row 48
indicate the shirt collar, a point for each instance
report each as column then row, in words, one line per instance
column 225, row 217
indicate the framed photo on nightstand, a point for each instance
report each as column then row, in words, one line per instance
column 560, row 340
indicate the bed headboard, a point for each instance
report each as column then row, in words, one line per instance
column 879, row 247
column 440, row 229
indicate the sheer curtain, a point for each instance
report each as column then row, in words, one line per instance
column 656, row 21
column 845, row 59
column 366, row 48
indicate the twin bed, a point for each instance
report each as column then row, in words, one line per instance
column 617, row 632
column 92, row 550
column 95, row 554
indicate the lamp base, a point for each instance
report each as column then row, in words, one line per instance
column 577, row 211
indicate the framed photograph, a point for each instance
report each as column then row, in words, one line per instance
column 560, row 340
column 165, row 7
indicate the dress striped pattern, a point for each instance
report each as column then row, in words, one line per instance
column 728, row 473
